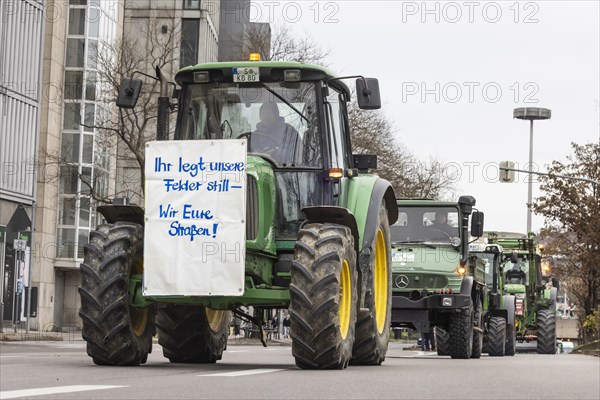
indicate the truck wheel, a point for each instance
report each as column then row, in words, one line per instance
column 546, row 332
column 496, row 336
column 511, row 341
column 323, row 297
column 441, row 341
column 192, row 334
column 372, row 332
column 477, row 337
column 460, row 333
column 116, row 332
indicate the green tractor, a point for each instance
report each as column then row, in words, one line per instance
column 499, row 315
column 535, row 294
column 317, row 238
column 438, row 283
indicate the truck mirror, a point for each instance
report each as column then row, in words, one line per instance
column 129, row 92
column 367, row 94
column 477, row 224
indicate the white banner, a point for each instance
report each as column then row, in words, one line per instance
column 195, row 231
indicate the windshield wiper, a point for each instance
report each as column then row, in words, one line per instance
column 414, row 242
column 290, row 105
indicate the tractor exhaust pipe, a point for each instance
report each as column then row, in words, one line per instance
column 162, row 118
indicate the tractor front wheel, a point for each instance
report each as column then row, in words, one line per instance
column 116, row 332
column 323, row 297
column 192, row 334
column 372, row 324
column 496, row 336
column 546, row 332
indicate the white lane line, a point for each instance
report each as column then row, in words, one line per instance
column 236, row 351
column 246, row 372
column 15, row 394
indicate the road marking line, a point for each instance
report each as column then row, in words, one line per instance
column 15, row 394
column 246, row 372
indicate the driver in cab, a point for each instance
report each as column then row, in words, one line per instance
column 440, row 224
column 274, row 137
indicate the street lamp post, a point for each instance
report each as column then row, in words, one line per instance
column 531, row 114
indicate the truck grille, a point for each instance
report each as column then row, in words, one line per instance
column 251, row 209
column 419, row 281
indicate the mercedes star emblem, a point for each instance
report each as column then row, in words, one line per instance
column 402, row 281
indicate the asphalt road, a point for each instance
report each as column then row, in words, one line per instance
column 62, row 370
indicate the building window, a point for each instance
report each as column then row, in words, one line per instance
column 191, row 4
column 84, row 155
column 190, row 30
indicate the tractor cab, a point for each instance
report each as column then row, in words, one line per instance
column 295, row 121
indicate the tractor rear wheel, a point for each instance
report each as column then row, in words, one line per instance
column 323, row 297
column 460, row 333
column 546, row 332
column 116, row 332
column 372, row 332
column 496, row 336
column 511, row 341
column 441, row 341
column 477, row 336
column 192, row 334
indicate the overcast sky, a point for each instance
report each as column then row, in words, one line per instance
column 451, row 74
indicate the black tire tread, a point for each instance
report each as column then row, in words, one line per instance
column 441, row 341
column 546, row 332
column 496, row 336
column 314, row 296
column 186, row 337
column 104, row 311
column 370, row 346
column 460, row 338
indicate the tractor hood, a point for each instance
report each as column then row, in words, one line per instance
column 513, row 288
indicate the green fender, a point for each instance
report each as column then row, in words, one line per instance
column 362, row 196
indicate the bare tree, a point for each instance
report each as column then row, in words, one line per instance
column 373, row 133
column 572, row 215
column 282, row 44
column 120, row 134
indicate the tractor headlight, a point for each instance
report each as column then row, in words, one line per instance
column 447, row 301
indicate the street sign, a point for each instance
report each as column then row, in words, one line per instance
column 506, row 173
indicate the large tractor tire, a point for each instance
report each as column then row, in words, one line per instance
column 116, row 332
column 496, row 336
column 460, row 333
column 192, row 334
column 546, row 332
column 372, row 332
column 510, row 348
column 441, row 341
column 477, row 336
column 323, row 297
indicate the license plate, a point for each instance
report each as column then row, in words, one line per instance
column 401, row 257
column 246, row 74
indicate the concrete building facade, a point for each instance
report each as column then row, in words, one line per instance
column 54, row 160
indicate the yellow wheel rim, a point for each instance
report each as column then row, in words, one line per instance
column 380, row 281
column 138, row 316
column 214, row 318
column 345, row 300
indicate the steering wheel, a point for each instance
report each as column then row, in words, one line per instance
column 439, row 230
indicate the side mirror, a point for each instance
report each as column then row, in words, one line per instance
column 368, row 97
column 129, row 92
column 477, row 224
column 555, row 283
column 365, row 162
